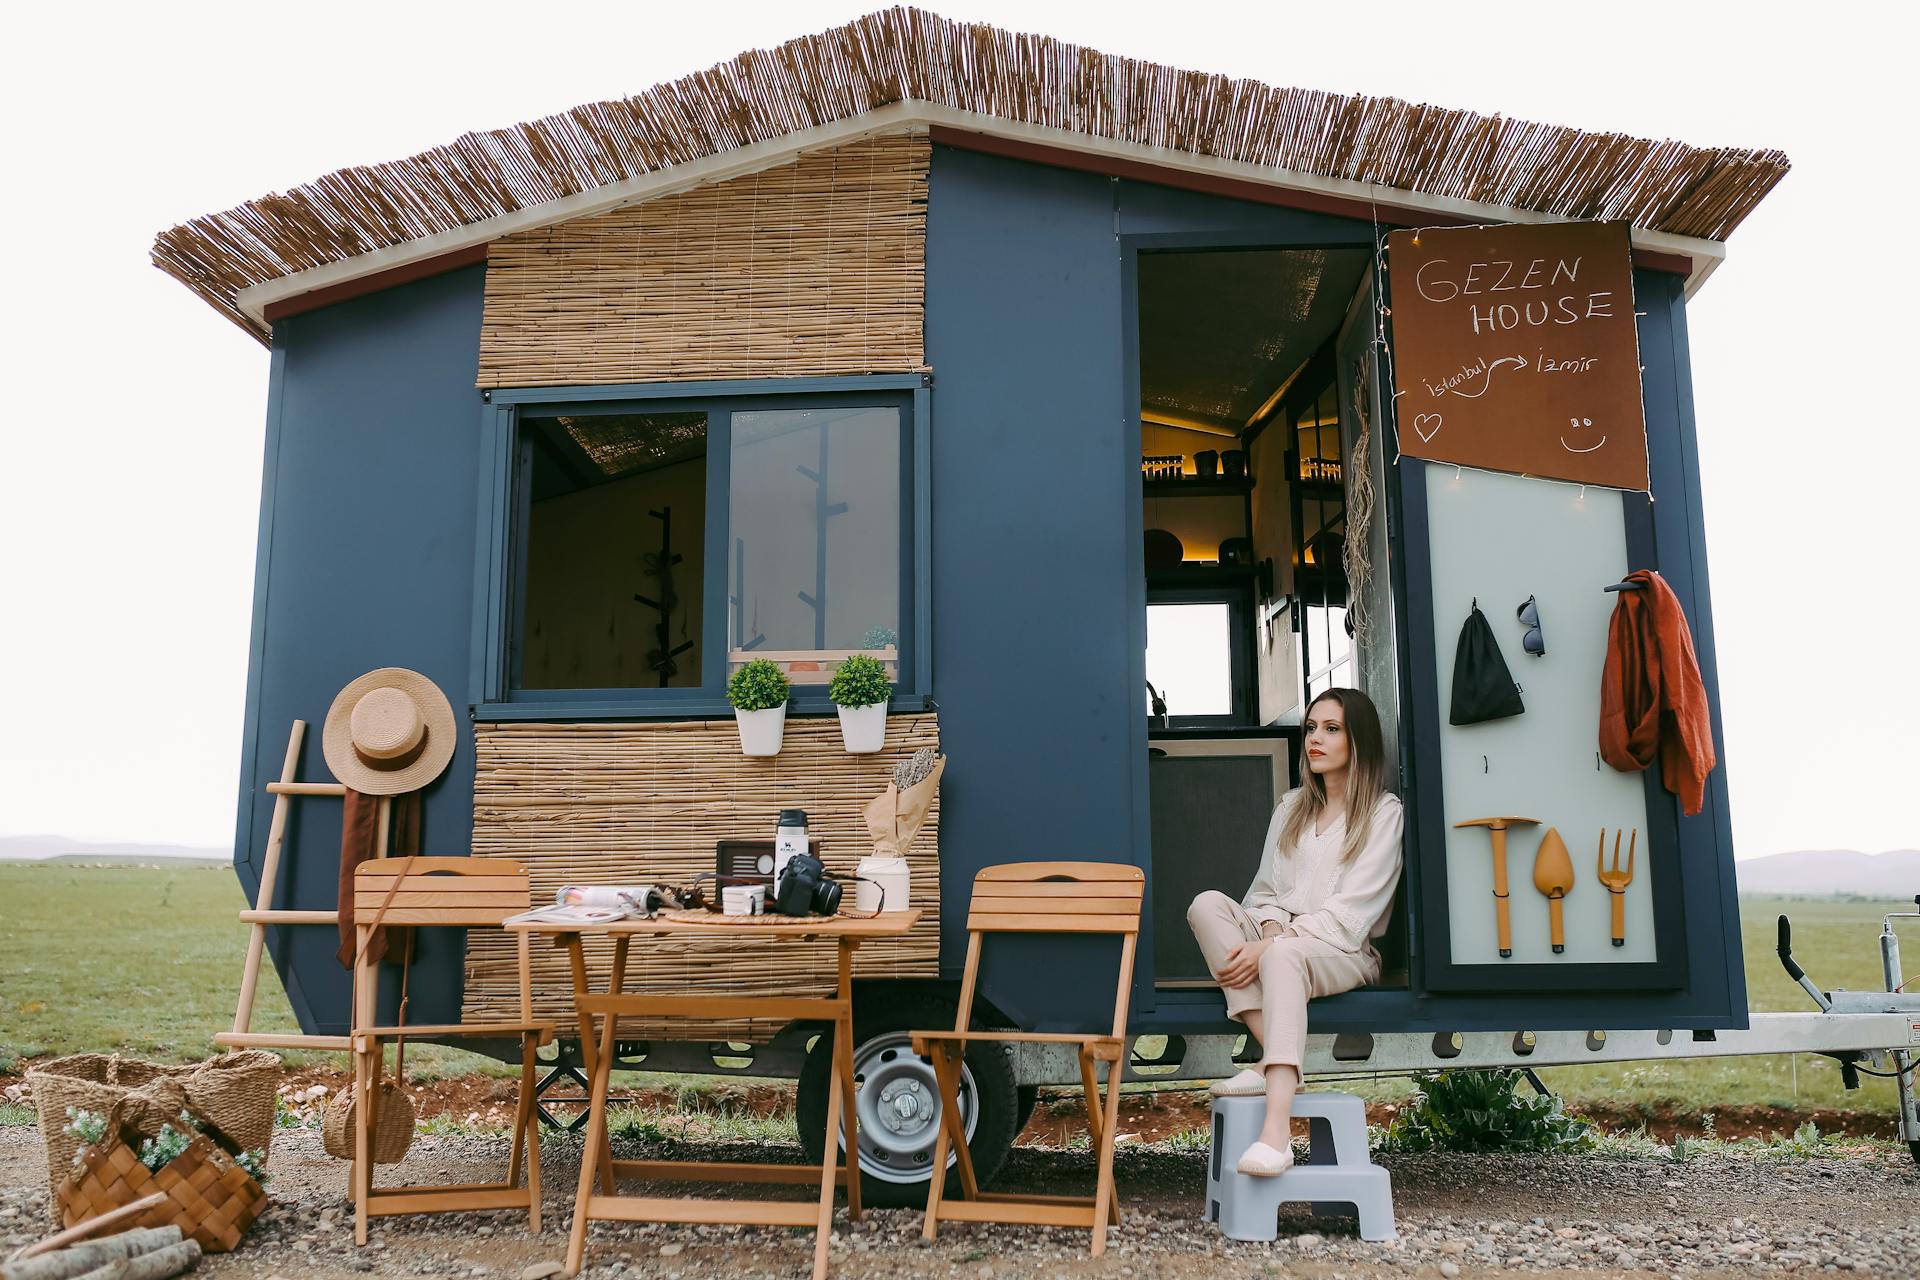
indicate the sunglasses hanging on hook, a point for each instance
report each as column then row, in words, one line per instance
column 1534, row 641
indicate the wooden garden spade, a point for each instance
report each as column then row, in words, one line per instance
column 1553, row 876
column 1497, row 828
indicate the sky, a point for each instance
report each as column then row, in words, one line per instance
column 129, row 494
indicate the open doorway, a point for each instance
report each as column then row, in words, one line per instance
column 1245, row 433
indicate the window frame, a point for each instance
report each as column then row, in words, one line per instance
column 499, row 555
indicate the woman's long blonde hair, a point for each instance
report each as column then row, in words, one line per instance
column 1366, row 776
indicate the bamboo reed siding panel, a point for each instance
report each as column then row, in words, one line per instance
column 644, row 803
column 910, row 55
column 815, row 267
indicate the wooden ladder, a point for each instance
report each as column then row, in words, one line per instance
column 262, row 913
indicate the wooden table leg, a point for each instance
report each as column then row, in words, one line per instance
column 577, row 960
column 591, row 1157
column 616, row 983
column 828, row 1160
column 849, row 1109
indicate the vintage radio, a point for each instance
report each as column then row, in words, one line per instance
column 749, row 861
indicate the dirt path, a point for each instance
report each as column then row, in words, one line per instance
column 1458, row 1215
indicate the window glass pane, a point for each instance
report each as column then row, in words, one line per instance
column 1190, row 657
column 814, row 548
column 613, row 551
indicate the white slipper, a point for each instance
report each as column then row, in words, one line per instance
column 1250, row 1083
column 1262, row 1161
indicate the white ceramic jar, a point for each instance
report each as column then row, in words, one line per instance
column 882, row 884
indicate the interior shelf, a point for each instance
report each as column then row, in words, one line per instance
column 1195, row 486
column 1200, row 574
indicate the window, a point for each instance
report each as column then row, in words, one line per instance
column 1190, row 657
column 1199, row 665
column 612, row 584
column 644, row 542
column 814, row 533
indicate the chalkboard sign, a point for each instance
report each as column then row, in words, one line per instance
column 1514, row 349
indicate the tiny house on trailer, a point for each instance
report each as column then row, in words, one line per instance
column 1062, row 382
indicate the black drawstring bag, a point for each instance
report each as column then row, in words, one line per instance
column 1483, row 688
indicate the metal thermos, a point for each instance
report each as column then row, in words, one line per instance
column 790, row 838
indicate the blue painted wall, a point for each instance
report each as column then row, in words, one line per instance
column 366, row 560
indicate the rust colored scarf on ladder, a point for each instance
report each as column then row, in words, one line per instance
column 358, row 831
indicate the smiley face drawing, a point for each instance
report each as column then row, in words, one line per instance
column 1575, row 427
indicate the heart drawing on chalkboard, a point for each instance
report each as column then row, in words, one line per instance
column 1427, row 425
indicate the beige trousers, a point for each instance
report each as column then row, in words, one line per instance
column 1292, row 971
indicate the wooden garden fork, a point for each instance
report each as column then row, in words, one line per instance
column 1616, row 880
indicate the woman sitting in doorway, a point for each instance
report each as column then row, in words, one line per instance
column 1323, row 892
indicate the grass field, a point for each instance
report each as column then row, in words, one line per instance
column 146, row 960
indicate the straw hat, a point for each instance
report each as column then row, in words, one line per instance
column 389, row 732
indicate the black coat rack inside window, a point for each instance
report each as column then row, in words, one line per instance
column 660, row 565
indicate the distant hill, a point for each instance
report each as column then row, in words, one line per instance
column 37, row 847
column 1895, row 874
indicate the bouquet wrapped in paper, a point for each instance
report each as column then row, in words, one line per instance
column 895, row 816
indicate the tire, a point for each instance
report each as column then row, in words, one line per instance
column 1911, row 1146
column 895, row 1157
column 1029, row 1096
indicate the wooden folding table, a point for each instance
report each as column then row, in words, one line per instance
column 597, row 1045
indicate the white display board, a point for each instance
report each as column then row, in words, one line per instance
column 1501, row 539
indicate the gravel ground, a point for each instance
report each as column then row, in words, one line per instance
column 1590, row 1216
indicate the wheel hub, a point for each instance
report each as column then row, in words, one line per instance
column 898, row 1104
column 907, row 1105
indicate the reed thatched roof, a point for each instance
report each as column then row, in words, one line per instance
column 911, row 56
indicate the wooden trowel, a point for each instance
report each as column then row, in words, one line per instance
column 1553, row 876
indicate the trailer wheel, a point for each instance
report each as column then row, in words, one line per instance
column 1029, row 1095
column 899, row 1106
column 1915, row 1148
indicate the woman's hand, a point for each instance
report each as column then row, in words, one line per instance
column 1242, row 964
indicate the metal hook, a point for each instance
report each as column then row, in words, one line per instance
column 1483, row 765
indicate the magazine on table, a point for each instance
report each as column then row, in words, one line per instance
column 600, row 904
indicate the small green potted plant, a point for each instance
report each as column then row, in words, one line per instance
column 860, row 690
column 758, row 692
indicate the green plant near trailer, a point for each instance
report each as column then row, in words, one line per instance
column 758, row 686
column 861, row 681
column 1482, row 1111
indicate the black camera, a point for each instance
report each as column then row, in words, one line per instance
column 806, row 888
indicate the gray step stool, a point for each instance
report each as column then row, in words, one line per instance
column 1337, row 1172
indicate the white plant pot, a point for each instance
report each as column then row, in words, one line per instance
column 761, row 731
column 864, row 729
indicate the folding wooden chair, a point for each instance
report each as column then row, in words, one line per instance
column 439, row 891
column 1038, row 897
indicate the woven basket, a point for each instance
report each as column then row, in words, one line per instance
column 235, row 1090
column 392, row 1124
column 211, row 1199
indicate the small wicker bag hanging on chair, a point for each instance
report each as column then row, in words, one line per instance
column 209, row 1196
column 393, row 1110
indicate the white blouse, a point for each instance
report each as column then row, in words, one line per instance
column 1311, row 889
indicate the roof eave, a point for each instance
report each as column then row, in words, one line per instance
column 1394, row 203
